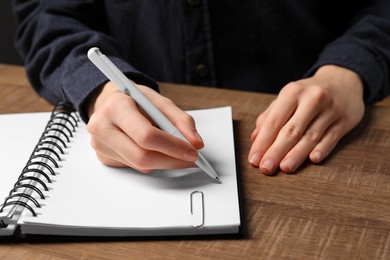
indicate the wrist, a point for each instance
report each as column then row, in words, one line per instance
column 341, row 77
column 99, row 96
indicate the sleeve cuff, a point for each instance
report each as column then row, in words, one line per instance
column 86, row 79
column 358, row 59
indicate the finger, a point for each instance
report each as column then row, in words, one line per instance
column 186, row 125
column 259, row 122
column 106, row 146
column 114, row 119
column 106, row 155
column 291, row 133
column 148, row 137
column 129, row 153
column 183, row 121
column 329, row 141
column 254, row 134
column 282, row 110
column 300, row 152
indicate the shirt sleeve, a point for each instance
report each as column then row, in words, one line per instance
column 364, row 48
column 53, row 38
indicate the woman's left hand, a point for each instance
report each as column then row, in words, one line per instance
column 307, row 119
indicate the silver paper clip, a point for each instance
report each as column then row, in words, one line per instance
column 200, row 223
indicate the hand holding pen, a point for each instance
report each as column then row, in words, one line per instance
column 124, row 135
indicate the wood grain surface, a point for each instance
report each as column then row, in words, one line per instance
column 339, row 209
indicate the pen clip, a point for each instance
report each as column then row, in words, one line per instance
column 199, row 220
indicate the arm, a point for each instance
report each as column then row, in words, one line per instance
column 364, row 49
column 53, row 38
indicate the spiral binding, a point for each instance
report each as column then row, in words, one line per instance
column 40, row 167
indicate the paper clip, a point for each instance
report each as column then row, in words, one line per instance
column 200, row 223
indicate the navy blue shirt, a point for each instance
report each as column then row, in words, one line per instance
column 252, row 45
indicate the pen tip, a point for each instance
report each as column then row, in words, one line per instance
column 217, row 180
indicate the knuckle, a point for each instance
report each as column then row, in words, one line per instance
column 312, row 136
column 273, row 124
column 292, row 132
column 146, row 137
column 259, row 120
column 337, row 109
column 292, row 88
column 104, row 160
column 141, row 160
column 93, row 127
column 112, row 105
column 186, row 119
column 163, row 102
column 115, row 104
column 94, row 144
column 320, row 95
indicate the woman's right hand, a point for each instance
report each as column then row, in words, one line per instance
column 123, row 135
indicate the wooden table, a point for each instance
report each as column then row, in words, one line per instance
column 339, row 209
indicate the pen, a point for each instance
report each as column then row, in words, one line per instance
column 128, row 87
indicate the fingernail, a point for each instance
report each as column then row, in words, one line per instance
column 317, row 156
column 198, row 136
column 290, row 164
column 191, row 156
column 255, row 159
column 268, row 166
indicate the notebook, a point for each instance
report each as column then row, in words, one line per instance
column 53, row 184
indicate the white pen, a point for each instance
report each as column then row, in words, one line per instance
column 128, row 87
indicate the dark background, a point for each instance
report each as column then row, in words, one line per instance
column 8, row 53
